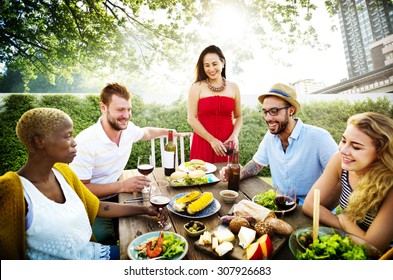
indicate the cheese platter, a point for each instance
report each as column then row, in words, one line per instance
column 253, row 231
column 237, row 252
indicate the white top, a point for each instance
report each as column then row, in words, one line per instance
column 99, row 159
column 59, row 230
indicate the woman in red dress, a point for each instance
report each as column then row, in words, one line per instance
column 214, row 108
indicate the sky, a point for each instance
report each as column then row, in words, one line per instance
column 261, row 72
column 326, row 66
column 228, row 25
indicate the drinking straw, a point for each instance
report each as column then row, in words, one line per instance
column 316, row 215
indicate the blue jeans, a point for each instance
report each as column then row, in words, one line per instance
column 114, row 252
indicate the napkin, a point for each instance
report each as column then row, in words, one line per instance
column 248, row 208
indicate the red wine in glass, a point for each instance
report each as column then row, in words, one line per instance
column 284, row 202
column 230, row 147
column 229, row 151
column 159, row 201
column 145, row 169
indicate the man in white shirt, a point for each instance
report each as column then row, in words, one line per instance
column 104, row 149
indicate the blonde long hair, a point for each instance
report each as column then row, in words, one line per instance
column 378, row 180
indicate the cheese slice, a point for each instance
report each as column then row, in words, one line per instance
column 207, row 238
column 214, row 243
column 224, row 235
column 201, row 241
column 224, row 248
column 246, row 236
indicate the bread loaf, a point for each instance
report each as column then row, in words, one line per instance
column 237, row 223
column 280, row 226
column 228, row 218
column 262, row 228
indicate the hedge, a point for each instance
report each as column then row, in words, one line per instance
column 84, row 111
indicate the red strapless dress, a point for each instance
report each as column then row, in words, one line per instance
column 215, row 114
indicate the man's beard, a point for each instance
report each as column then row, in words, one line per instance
column 281, row 126
column 113, row 123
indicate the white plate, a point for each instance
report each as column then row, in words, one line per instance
column 278, row 211
column 210, row 168
column 133, row 254
column 208, row 211
column 211, row 179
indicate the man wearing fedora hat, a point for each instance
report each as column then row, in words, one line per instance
column 297, row 153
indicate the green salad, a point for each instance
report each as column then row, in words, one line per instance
column 333, row 247
column 172, row 245
column 266, row 199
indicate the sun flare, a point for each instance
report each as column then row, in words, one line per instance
column 229, row 22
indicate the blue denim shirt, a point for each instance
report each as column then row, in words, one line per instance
column 307, row 155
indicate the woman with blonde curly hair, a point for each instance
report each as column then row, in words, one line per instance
column 46, row 212
column 359, row 178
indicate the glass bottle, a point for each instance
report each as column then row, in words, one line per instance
column 234, row 172
column 169, row 156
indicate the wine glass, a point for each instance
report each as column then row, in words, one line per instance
column 145, row 167
column 285, row 198
column 160, row 200
column 229, row 146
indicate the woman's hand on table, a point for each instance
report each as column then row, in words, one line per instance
column 135, row 184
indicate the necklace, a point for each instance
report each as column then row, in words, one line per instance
column 216, row 89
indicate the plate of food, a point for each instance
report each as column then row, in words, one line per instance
column 194, row 204
column 166, row 245
column 267, row 199
column 193, row 178
column 332, row 244
column 197, row 164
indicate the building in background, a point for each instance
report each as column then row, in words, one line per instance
column 382, row 52
column 367, row 33
column 307, row 86
column 363, row 23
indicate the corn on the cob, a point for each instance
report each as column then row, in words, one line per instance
column 191, row 196
column 201, row 203
column 181, row 203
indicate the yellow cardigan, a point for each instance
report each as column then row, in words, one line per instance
column 13, row 205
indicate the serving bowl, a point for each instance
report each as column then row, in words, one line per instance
column 304, row 236
column 194, row 228
column 299, row 242
column 229, row 196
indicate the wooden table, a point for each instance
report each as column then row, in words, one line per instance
column 132, row 227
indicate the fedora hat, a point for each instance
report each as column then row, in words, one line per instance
column 284, row 92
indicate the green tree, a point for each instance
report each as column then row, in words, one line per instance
column 58, row 38
column 63, row 38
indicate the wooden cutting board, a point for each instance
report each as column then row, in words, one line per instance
column 238, row 253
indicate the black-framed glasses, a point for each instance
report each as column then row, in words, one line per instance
column 273, row 111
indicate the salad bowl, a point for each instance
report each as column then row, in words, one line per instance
column 342, row 245
column 176, row 239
